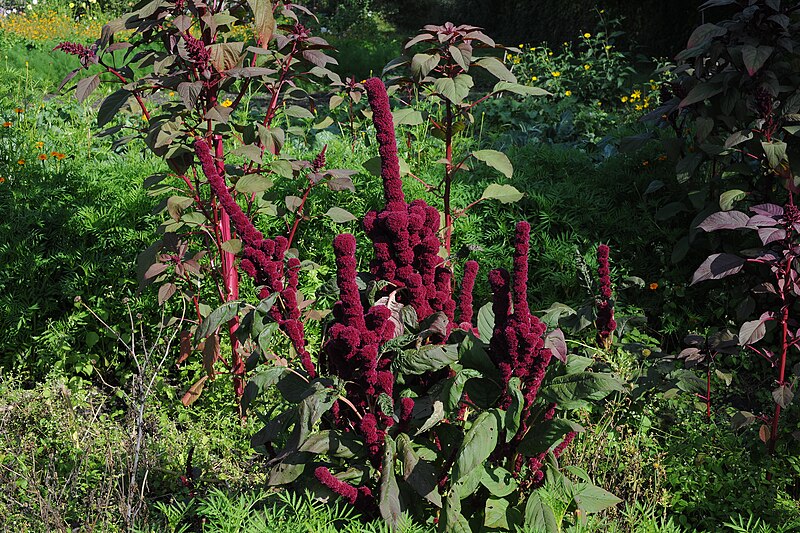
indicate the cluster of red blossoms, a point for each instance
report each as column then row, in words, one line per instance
column 263, row 260
column 605, row 306
column 86, row 55
column 404, row 235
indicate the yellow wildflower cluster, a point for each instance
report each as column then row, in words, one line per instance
column 49, row 26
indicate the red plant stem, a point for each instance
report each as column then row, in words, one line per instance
column 448, row 178
column 298, row 215
column 773, row 436
column 135, row 93
column 708, row 392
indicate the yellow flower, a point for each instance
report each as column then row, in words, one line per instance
column 21, row 162
column 40, row 144
column 534, row 78
column 171, row 93
column 226, row 103
column 522, row 46
column 647, row 353
column 549, row 53
column 568, row 93
column 566, row 43
column 587, row 35
column 635, row 95
column 599, row 103
column 508, row 57
column 555, row 73
column 608, row 47
column 587, row 67
column 639, row 107
column 624, row 99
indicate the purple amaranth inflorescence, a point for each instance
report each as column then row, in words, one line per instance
column 605, row 305
column 86, row 55
column 404, row 235
column 262, row 259
column 352, row 352
column 517, row 344
column 465, row 299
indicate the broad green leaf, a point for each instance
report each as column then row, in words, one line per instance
column 407, row 117
column 389, row 502
column 775, row 152
column 111, row 106
column 479, row 442
column 539, row 516
column 497, row 69
column 499, row 481
column 261, row 382
column 701, row 91
column 498, row 161
column 455, row 387
column 486, row 322
column 263, row 20
column 592, row 499
column 494, row 515
column 451, row 520
column 253, row 184
column 421, row 475
column 454, row 89
column 729, row 198
column 232, row 246
column 339, row 215
column 516, row 88
column 573, row 390
column 546, row 435
column 514, row 411
column 216, row 318
column 291, row 468
column 333, row 444
column 507, row 194
column 754, row 57
column 430, row 357
column 422, row 64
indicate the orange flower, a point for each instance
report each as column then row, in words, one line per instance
column 58, row 155
column 645, row 163
column 6, row 124
column 21, row 162
column 19, row 110
column 40, row 144
column 662, row 157
column 42, row 157
column 2, row 179
column 653, row 286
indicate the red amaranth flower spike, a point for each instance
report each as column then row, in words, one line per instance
column 387, row 144
column 605, row 305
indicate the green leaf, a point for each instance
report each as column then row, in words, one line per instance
column 260, row 382
column 573, row 390
column 495, row 513
column 497, row 69
column 389, row 502
column 499, row 481
column 498, row 161
column 86, row 86
column 701, row 91
column 507, row 194
column 407, row 117
column 333, row 444
column 291, row 468
column 514, row 412
column 451, row 519
column 486, row 322
column 539, row 516
column 454, row 89
column 111, row 106
column 546, row 436
column 253, row 184
column 478, row 444
column 754, row 57
column 455, row 387
column 339, row 215
column 516, row 88
column 422, row 64
column 775, row 152
column 216, row 318
column 421, row 475
column 592, row 499
column 232, row 246
column 728, row 198
column 263, row 20
column 430, row 357
column 298, row 112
